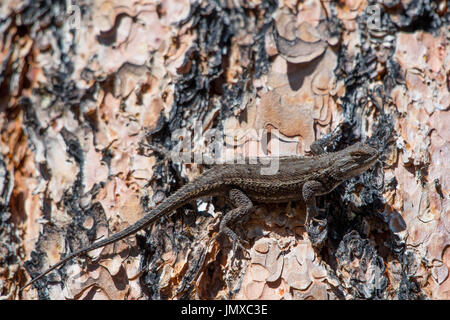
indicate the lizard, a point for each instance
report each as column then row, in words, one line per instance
column 298, row 178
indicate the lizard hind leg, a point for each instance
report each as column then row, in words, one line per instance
column 243, row 206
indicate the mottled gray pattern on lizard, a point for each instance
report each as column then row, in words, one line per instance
column 298, row 178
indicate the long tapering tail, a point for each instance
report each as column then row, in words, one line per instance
column 185, row 194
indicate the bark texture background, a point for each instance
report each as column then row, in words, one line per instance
column 86, row 86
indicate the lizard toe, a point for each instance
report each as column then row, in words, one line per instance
column 317, row 231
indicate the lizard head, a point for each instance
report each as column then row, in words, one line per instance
column 354, row 160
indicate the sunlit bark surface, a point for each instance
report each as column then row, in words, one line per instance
column 87, row 87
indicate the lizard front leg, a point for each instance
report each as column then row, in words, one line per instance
column 309, row 192
column 316, row 230
column 320, row 146
column 243, row 206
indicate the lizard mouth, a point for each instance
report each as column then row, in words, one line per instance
column 375, row 156
column 362, row 160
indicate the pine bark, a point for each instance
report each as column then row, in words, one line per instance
column 89, row 90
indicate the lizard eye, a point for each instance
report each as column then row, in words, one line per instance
column 357, row 154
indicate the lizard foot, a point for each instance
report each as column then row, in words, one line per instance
column 238, row 243
column 317, row 231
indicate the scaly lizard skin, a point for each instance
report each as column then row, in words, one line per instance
column 298, row 178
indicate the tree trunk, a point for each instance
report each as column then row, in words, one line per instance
column 96, row 97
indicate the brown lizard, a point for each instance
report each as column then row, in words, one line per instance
column 298, row 178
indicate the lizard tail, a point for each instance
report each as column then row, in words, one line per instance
column 184, row 195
